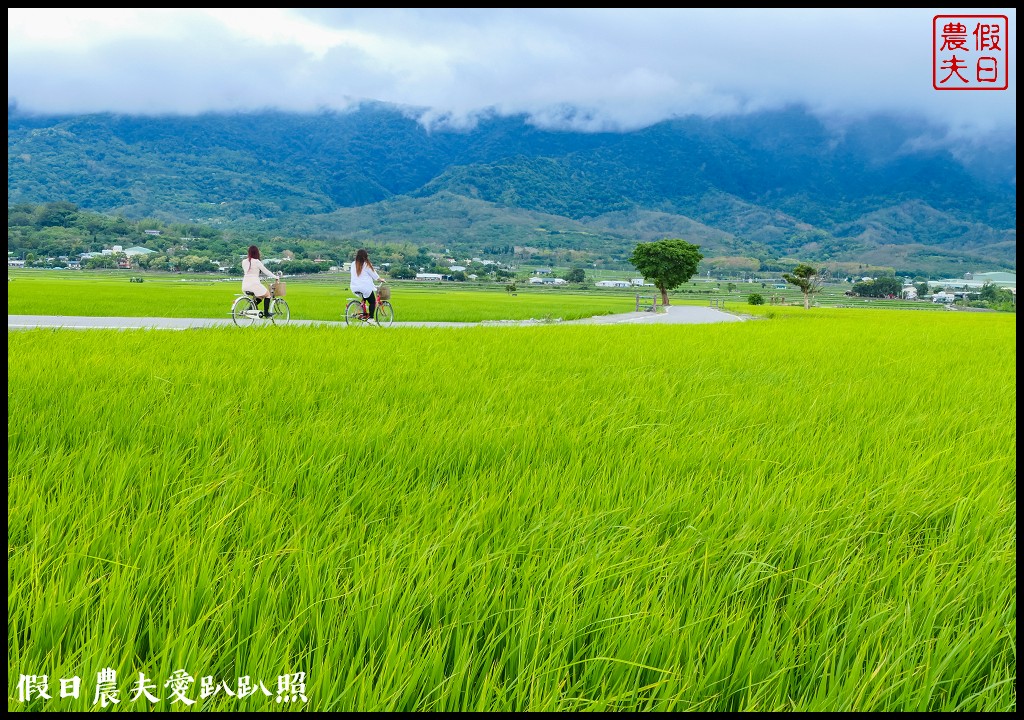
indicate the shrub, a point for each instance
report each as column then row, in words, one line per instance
column 756, row 299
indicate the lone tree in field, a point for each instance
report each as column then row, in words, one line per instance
column 576, row 275
column 804, row 277
column 668, row 263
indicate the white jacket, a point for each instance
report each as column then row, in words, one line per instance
column 251, row 279
column 363, row 282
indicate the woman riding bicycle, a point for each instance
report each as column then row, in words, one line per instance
column 363, row 275
column 253, row 266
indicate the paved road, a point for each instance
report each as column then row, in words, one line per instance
column 676, row 314
column 673, row 315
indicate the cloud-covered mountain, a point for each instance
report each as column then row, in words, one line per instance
column 787, row 183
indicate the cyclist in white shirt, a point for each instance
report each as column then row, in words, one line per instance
column 363, row 275
column 252, row 266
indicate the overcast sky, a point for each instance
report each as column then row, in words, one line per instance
column 589, row 69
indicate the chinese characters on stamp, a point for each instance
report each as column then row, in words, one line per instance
column 970, row 52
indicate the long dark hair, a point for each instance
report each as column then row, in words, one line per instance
column 363, row 258
column 254, row 254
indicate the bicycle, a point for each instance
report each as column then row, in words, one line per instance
column 357, row 312
column 245, row 310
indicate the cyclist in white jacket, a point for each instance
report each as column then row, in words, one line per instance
column 363, row 275
column 252, row 266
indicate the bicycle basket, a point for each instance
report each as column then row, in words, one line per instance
column 383, row 293
column 279, row 288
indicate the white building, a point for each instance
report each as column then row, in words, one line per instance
column 429, row 277
column 999, row 279
column 547, row 281
column 614, row 283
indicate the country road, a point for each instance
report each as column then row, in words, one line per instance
column 676, row 314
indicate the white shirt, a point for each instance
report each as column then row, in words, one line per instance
column 251, row 279
column 363, row 282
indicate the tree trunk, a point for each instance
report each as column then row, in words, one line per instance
column 664, row 296
column 807, row 301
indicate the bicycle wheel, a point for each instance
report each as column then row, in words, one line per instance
column 385, row 314
column 354, row 313
column 240, row 312
column 281, row 312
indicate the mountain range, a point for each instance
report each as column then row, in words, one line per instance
column 773, row 185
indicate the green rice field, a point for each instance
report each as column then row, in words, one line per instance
column 323, row 297
column 310, row 298
column 815, row 511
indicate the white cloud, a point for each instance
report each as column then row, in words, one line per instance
column 589, row 68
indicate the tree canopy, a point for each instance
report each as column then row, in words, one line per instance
column 885, row 286
column 576, row 275
column 667, row 263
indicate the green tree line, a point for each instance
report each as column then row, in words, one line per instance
column 53, row 234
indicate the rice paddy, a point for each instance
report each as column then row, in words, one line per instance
column 98, row 294
column 323, row 297
column 815, row 512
